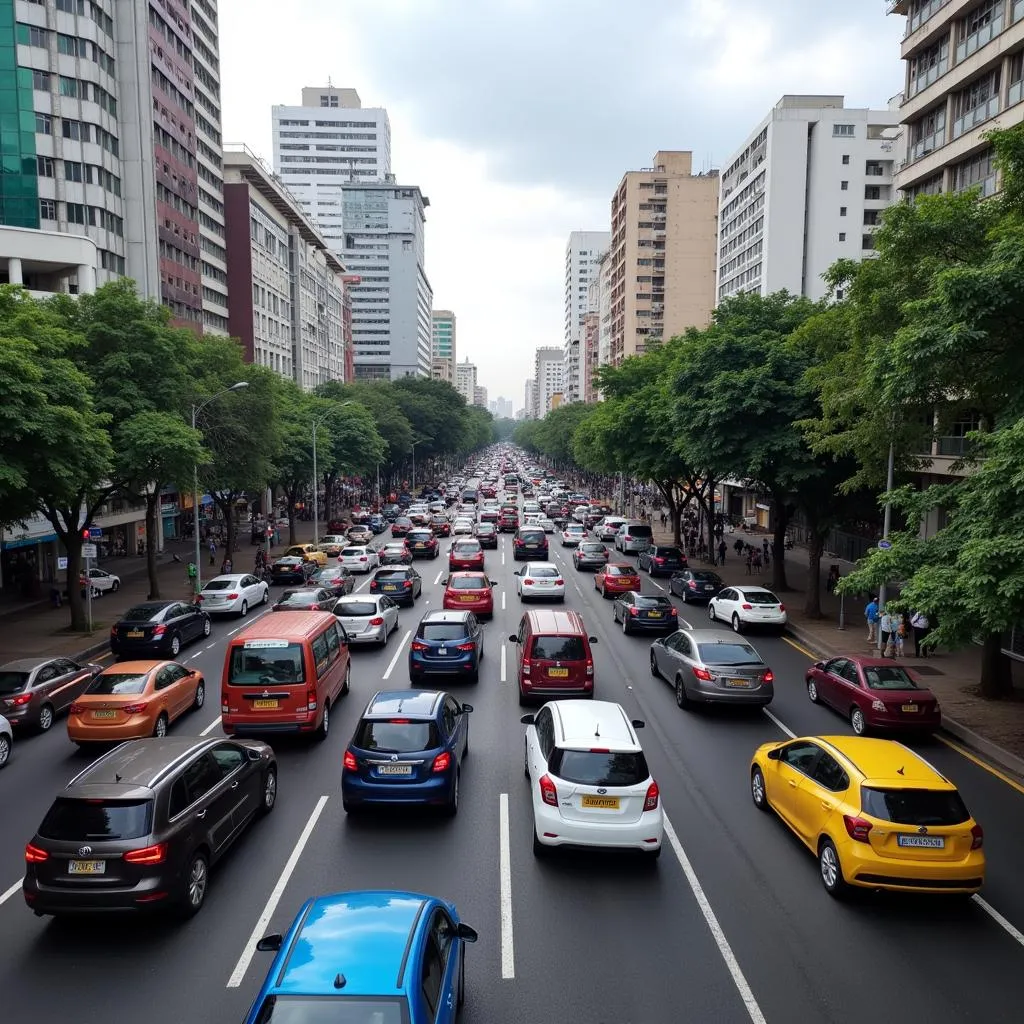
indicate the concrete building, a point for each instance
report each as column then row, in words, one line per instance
column 480, row 396
column 806, row 188
column 286, row 285
column 603, row 305
column 964, row 68
column 530, row 400
column 465, row 380
column 582, row 253
column 501, row 408
column 442, row 345
column 549, row 377
column 664, row 229
column 330, row 139
column 47, row 262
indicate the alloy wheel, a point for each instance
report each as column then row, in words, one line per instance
column 160, row 729
column 198, row 879
column 812, row 691
column 5, row 750
column 45, row 717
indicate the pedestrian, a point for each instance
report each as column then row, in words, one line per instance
column 722, row 548
column 901, row 634
column 871, row 617
column 192, row 575
column 738, row 546
column 887, row 627
column 226, row 567
column 919, row 624
column 213, row 552
column 765, row 549
column 757, row 562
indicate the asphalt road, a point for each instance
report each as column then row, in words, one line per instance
column 731, row 925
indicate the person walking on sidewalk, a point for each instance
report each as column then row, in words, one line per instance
column 919, row 624
column 192, row 575
column 213, row 552
column 765, row 552
column 887, row 625
column 722, row 548
column 750, row 559
column 871, row 617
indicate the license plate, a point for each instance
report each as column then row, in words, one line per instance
column 104, row 714
column 394, row 769
column 265, row 705
column 922, row 842
column 558, row 673
column 604, row 803
column 442, row 650
column 910, row 707
column 737, row 682
column 709, row 586
column 390, row 586
column 87, row 867
column 136, row 632
column 418, row 546
column 532, row 547
column 466, row 598
column 654, row 615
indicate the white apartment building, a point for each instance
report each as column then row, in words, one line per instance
column 330, row 140
column 805, row 189
column 582, row 253
column 465, row 380
column 501, row 408
column 480, row 396
column 530, row 400
column 549, row 377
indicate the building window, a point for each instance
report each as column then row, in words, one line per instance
column 978, row 172
column 44, row 124
column 844, row 185
column 72, row 170
column 921, row 11
column 1016, row 74
column 68, row 86
column 839, row 295
column 41, row 80
column 845, row 131
column 47, row 209
column 842, row 211
column 842, row 236
column 75, row 213
column 982, row 24
column 846, row 158
column 44, row 166
column 926, row 67
column 928, row 133
column 977, row 103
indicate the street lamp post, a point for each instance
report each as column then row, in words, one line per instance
column 196, row 410
column 886, row 524
column 316, row 478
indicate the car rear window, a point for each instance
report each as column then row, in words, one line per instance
column 467, row 583
column 639, row 530
column 442, row 631
column 914, row 806
column 727, row 654
column 466, row 546
column 352, row 552
column 116, row 683
column 392, row 574
column 266, row 662
column 397, row 735
column 13, row 682
column 620, row 570
column 221, row 585
column 141, row 613
column 590, row 768
column 299, row 598
column 558, row 648
column 531, row 535
column 543, row 572
column 79, row 821
column 355, row 608
column 888, row 677
column 760, row 597
column 663, row 552
column 706, row 577
column 651, row 601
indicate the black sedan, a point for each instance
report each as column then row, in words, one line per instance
column 292, row 569
column 335, row 578
column 645, row 613
column 313, row 599
column 661, row 559
column 487, row 534
column 158, row 629
column 695, row 585
column 402, row 583
column 422, row 543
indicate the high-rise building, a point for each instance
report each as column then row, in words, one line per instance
column 604, row 311
column 501, row 408
column 442, row 345
column 662, row 253
column 964, row 67
column 549, row 375
column 805, row 189
column 465, row 380
column 530, row 400
column 327, row 141
column 480, row 396
column 286, row 295
column 582, row 254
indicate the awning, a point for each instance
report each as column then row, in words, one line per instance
column 28, row 542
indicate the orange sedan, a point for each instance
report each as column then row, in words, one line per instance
column 617, row 578
column 471, row 592
column 134, row 699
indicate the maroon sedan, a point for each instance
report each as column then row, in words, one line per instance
column 873, row 693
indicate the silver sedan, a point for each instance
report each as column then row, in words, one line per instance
column 368, row 619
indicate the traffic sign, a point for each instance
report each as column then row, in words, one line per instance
column 62, row 561
column 885, row 544
column 95, row 533
column 88, row 550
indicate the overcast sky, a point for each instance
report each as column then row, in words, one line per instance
column 518, row 117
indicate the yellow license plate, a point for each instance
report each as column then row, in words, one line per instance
column 604, row 803
column 104, row 714
column 466, row 597
column 265, row 705
column 909, row 707
column 737, row 682
column 390, row 586
column 558, row 673
column 87, row 867
column 136, row 632
column 654, row 615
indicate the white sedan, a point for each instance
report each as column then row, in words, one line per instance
column 747, row 606
column 359, row 558
column 102, row 580
column 234, row 594
column 546, row 524
column 462, row 527
column 540, row 579
column 573, row 534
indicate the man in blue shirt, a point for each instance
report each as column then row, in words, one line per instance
column 871, row 614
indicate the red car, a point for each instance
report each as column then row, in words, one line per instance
column 440, row 526
column 401, row 526
column 466, row 554
column 873, row 693
column 616, row 578
column 469, row 591
column 508, row 522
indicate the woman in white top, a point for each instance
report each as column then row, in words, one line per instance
column 919, row 623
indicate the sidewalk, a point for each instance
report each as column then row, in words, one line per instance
column 994, row 728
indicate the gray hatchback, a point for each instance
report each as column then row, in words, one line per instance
column 706, row 666
column 33, row 691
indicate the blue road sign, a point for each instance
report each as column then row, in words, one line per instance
column 95, row 533
column 885, row 544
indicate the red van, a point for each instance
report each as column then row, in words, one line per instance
column 283, row 673
column 553, row 656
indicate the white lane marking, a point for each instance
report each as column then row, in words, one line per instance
column 653, row 584
column 503, row 663
column 369, row 576
column 5, row 896
column 394, row 659
column 213, row 725
column 577, row 586
column 503, row 600
column 502, row 554
column 508, row 955
column 210, row 647
column 1010, row 930
column 731, row 963
column 437, row 578
column 781, row 724
column 238, row 974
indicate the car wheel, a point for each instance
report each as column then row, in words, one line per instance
column 625, row 625
column 200, row 698
column 45, row 717
column 654, row 666
column 266, row 595
column 451, row 808
column 207, row 627
column 160, row 729
column 196, row 883
column 526, row 762
column 269, row 791
column 737, row 626
column 858, row 722
column 325, row 722
column 812, row 691
column 115, row 585
column 757, row 790
column 5, row 750
column 711, row 612
column 244, row 610
column 681, row 699
column 175, row 646
column 831, row 869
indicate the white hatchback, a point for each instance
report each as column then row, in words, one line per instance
column 234, row 594
column 462, row 527
column 573, row 534
column 539, row 580
column 359, row 558
column 747, row 606
column 589, row 780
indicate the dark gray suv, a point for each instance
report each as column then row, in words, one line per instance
column 140, row 827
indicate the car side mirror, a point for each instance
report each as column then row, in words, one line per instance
column 444, row 582
column 467, row 709
column 493, row 583
column 513, row 638
column 774, row 755
column 270, row 943
column 466, row 933
column 253, row 755
column 638, row 723
column 592, row 639
column 819, row 664
column 528, row 719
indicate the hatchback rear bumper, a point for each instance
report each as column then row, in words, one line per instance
column 150, row 894
column 435, row 790
column 644, row 834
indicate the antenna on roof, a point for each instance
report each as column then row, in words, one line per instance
column 597, row 730
column 339, row 981
column 330, row 84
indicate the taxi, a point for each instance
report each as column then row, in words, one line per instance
column 874, row 813
column 308, row 553
column 469, row 591
column 616, row 578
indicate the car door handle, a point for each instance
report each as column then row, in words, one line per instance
column 826, row 805
column 234, row 785
column 792, row 783
column 201, row 815
column 449, row 1000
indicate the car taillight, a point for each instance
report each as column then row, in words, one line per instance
column 374, row 585
column 113, row 630
column 634, row 611
column 768, row 677
column 590, row 667
column 19, row 701
column 233, row 597
column 76, row 709
column 311, row 698
column 527, row 583
column 377, row 620
column 442, row 762
column 782, row 607
column 417, row 646
column 465, row 647
column 33, row 855
column 657, row 560
column 548, row 793
column 134, row 709
column 362, row 558
column 349, row 762
column 746, row 607
column 651, row 800
column 526, row 667
column 672, row 611
column 702, row 673
column 977, row 837
column 156, row 854
column 159, row 630
column 857, row 828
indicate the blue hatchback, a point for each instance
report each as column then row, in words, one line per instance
column 407, row 749
column 446, row 643
column 385, row 956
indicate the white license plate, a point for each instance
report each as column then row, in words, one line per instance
column 87, row 867
column 442, row 650
column 394, row 769
column 922, row 842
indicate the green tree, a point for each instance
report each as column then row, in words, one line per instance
column 526, row 435
column 390, row 422
column 557, row 429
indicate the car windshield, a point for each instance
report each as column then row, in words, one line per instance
column 443, row 631
column 221, row 585
column 468, row 583
column 727, row 654
column 397, row 735
column 558, row 648
column 919, row 807
column 642, row 601
column 266, row 662
column 348, row 1010
column 142, row 613
column 79, row 821
column 592, row 768
column 888, row 677
column 13, row 682
column 760, row 597
column 542, row 572
column 114, row 684
column 346, row 608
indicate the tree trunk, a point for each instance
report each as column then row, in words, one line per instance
column 152, row 508
column 779, row 581
column 709, row 506
column 996, row 680
column 76, row 603
column 291, row 494
column 815, row 546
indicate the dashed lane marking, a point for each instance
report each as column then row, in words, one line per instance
column 397, row 655
column 213, row 725
column 508, row 956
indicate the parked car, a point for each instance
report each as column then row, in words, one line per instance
column 234, row 594
column 695, row 585
column 158, row 628
column 34, row 691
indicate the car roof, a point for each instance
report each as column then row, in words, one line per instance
column 139, row 763
column 593, row 723
column 139, row 665
column 227, row 576
column 466, row 573
column 283, row 625
column 555, row 621
column 707, row 635
column 541, row 565
column 445, row 615
column 886, row 762
column 752, row 590
column 27, row 664
column 408, row 703
column 363, row 936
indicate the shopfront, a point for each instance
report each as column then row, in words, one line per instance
column 170, row 515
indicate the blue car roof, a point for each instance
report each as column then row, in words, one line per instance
column 413, row 703
column 364, row 936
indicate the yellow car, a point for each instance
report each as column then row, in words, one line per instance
column 875, row 814
column 308, row 553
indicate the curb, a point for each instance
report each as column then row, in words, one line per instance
column 88, row 653
column 968, row 737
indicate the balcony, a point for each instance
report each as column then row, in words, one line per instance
column 954, row 446
column 982, row 112
column 979, row 38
